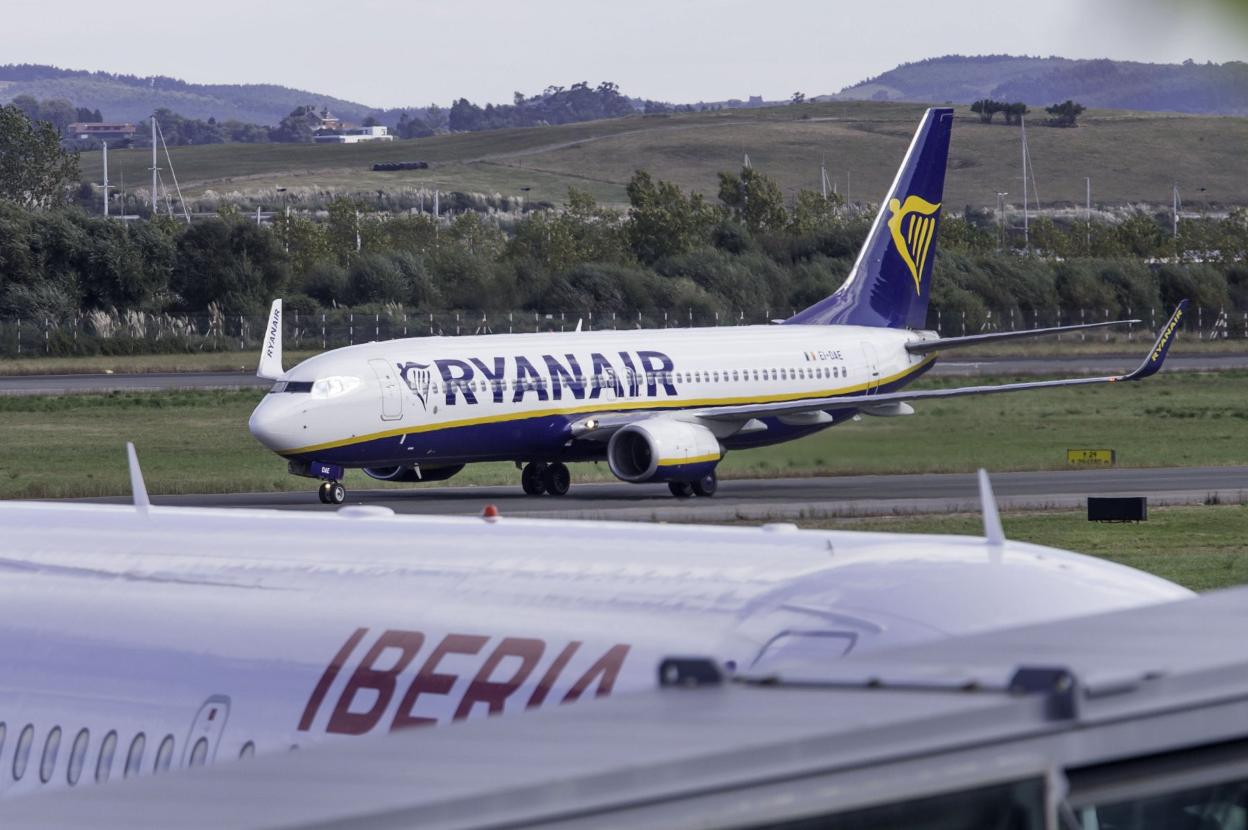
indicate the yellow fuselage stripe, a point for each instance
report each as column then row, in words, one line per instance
column 606, row 406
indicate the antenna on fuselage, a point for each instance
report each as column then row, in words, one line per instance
column 270, row 366
column 137, row 487
column 994, row 533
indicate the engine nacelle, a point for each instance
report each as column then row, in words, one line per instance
column 405, row 472
column 662, row 449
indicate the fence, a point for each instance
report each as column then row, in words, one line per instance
column 138, row 333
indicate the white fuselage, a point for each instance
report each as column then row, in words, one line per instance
column 136, row 642
column 448, row 400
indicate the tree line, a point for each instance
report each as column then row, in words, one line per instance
column 670, row 249
column 1064, row 114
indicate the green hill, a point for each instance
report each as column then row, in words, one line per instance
column 1210, row 88
column 1132, row 157
column 131, row 98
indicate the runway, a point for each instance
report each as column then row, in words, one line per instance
column 784, row 499
column 954, row 366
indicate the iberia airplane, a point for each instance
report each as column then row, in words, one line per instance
column 658, row 405
column 140, row 639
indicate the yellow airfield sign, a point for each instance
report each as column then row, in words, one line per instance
column 1091, row 458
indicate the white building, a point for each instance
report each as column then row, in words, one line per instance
column 355, row 135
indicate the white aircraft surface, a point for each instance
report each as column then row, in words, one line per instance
column 142, row 639
column 657, row 405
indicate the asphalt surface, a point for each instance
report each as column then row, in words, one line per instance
column 780, row 499
column 952, row 367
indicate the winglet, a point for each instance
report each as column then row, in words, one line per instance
column 578, row 323
column 1157, row 356
column 270, row 367
column 994, row 533
column 141, row 502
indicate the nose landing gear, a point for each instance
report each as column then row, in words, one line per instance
column 332, row 492
column 538, row 477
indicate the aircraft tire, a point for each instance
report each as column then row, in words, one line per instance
column 556, row 479
column 681, row 489
column 335, row 493
column 707, row 485
column 322, row 492
column 531, row 479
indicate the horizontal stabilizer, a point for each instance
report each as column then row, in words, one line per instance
column 940, row 344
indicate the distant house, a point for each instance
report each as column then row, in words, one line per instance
column 101, row 131
column 329, row 123
column 355, row 135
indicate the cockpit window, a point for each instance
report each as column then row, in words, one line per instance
column 332, row 387
column 291, row 386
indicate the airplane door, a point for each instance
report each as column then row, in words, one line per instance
column 873, row 368
column 391, row 394
column 206, row 730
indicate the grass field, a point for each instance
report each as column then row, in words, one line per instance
column 1199, row 547
column 63, row 446
column 1131, row 157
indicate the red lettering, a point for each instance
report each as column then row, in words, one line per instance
column 552, row 675
column 607, row 666
column 344, row 721
column 494, row 692
column 427, row 681
column 328, row 678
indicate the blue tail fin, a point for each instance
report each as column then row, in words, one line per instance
column 891, row 280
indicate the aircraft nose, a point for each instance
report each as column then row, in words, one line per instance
column 274, row 424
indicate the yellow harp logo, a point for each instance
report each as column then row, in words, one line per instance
column 913, row 238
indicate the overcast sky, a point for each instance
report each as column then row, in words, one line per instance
column 390, row 54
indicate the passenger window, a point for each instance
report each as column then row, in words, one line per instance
column 164, row 755
column 717, row 377
column 21, row 754
column 77, row 757
column 3, row 731
column 134, row 758
column 104, row 764
column 199, row 753
column 51, row 747
column 755, row 374
column 734, row 375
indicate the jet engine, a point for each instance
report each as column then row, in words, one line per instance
column 662, row 449
column 407, row 472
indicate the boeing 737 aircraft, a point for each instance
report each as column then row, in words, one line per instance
column 142, row 639
column 657, row 405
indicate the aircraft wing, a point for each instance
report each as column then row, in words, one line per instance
column 600, row 427
column 1150, row 365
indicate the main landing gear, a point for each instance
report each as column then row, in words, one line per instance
column 332, row 492
column 538, row 477
column 705, row 486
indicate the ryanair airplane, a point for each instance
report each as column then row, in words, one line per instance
column 658, row 405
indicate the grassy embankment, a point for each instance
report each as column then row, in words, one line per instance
column 71, row 445
column 1199, row 547
column 1133, row 157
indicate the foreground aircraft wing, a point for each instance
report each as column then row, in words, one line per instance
column 1151, row 364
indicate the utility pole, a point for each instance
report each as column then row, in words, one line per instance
column 104, row 147
column 155, row 169
column 1088, row 208
column 1001, row 219
column 1175, row 207
column 1026, row 229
